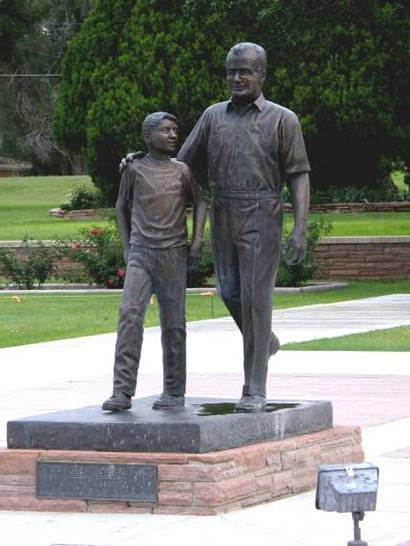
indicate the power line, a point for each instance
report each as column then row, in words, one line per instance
column 30, row 75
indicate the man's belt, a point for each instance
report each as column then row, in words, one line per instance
column 238, row 194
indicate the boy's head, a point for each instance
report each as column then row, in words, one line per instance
column 160, row 132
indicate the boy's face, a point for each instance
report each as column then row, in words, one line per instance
column 164, row 137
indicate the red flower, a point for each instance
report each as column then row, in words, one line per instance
column 96, row 232
column 109, row 283
column 75, row 246
column 121, row 273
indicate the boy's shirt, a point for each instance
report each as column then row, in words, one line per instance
column 157, row 193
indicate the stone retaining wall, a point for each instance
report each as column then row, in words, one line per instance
column 63, row 265
column 393, row 206
column 339, row 258
column 84, row 214
column 198, row 484
column 363, row 258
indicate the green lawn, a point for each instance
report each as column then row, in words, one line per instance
column 392, row 339
column 35, row 318
column 24, row 204
column 49, row 317
column 368, row 224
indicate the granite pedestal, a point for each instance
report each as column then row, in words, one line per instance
column 202, row 459
column 202, row 426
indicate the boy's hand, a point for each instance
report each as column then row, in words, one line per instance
column 129, row 158
column 125, row 255
column 194, row 257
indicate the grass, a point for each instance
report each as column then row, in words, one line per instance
column 368, row 224
column 24, row 205
column 25, row 202
column 392, row 339
column 48, row 317
column 34, row 318
column 353, row 291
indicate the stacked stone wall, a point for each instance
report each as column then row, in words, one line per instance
column 338, row 258
column 198, row 484
column 342, row 258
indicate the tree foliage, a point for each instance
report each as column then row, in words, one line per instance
column 340, row 65
column 130, row 59
column 33, row 38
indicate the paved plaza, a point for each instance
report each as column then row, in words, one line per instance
column 367, row 389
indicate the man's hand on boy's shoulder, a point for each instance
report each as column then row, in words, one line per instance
column 129, row 158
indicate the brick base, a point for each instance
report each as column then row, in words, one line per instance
column 344, row 258
column 198, row 484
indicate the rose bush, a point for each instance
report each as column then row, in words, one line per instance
column 99, row 251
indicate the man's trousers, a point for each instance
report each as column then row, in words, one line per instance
column 161, row 272
column 246, row 232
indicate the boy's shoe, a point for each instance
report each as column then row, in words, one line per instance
column 169, row 401
column 251, row 403
column 119, row 401
column 274, row 345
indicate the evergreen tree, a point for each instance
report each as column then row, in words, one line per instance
column 340, row 65
column 343, row 67
column 33, row 38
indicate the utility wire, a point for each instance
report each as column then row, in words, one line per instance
column 30, row 75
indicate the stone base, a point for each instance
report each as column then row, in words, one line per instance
column 203, row 425
column 198, row 484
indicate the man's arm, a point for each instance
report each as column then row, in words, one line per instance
column 198, row 224
column 194, row 150
column 129, row 158
column 199, row 210
column 296, row 245
column 124, row 212
column 295, row 164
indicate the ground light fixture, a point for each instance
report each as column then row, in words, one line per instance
column 348, row 488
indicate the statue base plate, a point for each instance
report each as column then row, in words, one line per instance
column 204, row 425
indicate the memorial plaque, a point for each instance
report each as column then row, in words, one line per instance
column 110, row 482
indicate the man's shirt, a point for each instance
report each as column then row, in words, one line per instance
column 157, row 193
column 251, row 151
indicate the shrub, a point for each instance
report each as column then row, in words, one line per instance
column 354, row 194
column 295, row 275
column 100, row 252
column 34, row 266
column 80, row 198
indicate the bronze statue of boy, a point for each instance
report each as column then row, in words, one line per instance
column 151, row 208
column 250, row 147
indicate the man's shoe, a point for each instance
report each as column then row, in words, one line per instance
column 169, row 401
column 119, row 401
column 274, row 345
column 251, row 403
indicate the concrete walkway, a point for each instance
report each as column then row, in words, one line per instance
column 368, row 389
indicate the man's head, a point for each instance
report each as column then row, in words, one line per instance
column 246, row 71
column 160, row 132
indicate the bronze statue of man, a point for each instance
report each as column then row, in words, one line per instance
column 151, row 208
column 251, row 147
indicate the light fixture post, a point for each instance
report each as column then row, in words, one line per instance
column 357, row 517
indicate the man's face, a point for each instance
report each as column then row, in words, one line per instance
column 244, row 79
column 164, row 137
